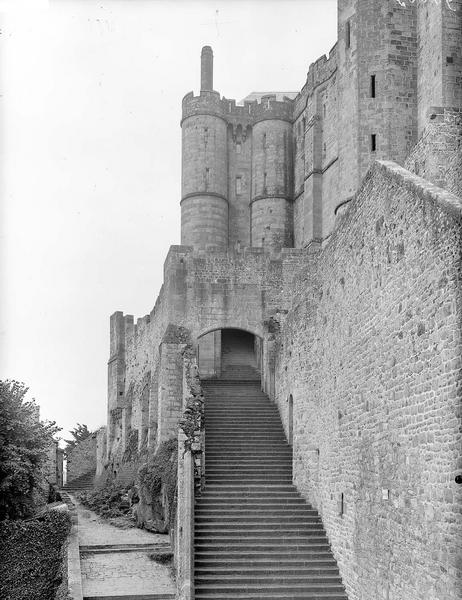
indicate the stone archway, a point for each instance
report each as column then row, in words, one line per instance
column 229, row 353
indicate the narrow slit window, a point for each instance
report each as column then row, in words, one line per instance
column 238, row 185
column 342, row 505
column 373, row 142
column 372, row 86
column 348, row 34
column 207, row 177
column 238, row 147
column 264, row 141
column 264, row 180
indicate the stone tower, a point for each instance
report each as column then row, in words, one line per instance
column 237, row 174
column 204, row 201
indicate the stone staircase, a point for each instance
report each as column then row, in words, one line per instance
column 80, row 484
column 255, row 537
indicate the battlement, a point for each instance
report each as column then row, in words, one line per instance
column 210, row 103
column 319, row 72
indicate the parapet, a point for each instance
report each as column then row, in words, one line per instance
column 318, row 73
column 210, row 103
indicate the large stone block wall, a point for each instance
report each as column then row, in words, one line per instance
column 371, row 352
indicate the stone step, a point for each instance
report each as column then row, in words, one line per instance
column 261, row 536
column 268, row 554
column 247, row 479
column 268, row 578
column 263, row 525
column 133, row 597
column 270, row 513
column 272, row 595
column 281, row 588
column 263, row 567
column 255, row 500
column 278, row 544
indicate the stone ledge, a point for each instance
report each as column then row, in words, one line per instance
column 423, row 188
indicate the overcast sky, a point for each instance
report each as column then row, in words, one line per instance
column 91, row 157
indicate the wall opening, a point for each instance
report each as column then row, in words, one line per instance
column 348, row 34
column 290, row 430
column 372, row 86
column 373, row 142
column 229, row 354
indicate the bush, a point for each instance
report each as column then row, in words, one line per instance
column 24, row 441
column 31, row 556
column 108, row 502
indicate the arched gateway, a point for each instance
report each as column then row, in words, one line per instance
column 229, row 353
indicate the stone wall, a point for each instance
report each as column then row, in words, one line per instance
column 371, row 353
column 438, row 154
column 82, row 458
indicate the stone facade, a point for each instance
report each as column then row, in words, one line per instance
column 346, row 269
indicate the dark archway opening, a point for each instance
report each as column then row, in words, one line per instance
column 290, row 433
column 229, row 354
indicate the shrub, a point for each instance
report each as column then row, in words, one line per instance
column 24, row 441
column 164, row 557
column 108, row 502
column 31, row 556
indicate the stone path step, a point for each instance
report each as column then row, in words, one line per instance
column 115, row 563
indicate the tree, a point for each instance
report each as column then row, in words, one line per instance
column 79, row 433
column 24, row 441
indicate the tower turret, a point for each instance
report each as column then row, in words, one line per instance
column 207, row 69
column 272, row 174
column 204, row 203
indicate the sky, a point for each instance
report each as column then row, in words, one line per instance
column 90, row 111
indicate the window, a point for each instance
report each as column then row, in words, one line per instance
column 238, row 185
column 324, row 110
column 264, row 140
column 207, row 177
column 324, row 149
column 373, row 142
column 264, row 181
column 342, row 505
column 238, row 147
column 348, row 34
column 372, row 86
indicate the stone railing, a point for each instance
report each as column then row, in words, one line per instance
column 190, row 473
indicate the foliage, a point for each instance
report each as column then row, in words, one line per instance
column 24, row 441
column 79, row 433
column 163, row 557
column 108, row 502
column 32, row 553
column 161, row 472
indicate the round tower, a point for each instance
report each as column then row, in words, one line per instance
column 272, row 175
column 204, row 199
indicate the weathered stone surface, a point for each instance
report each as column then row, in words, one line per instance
column 371, row 354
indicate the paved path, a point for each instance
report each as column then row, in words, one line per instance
column 115, row 562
